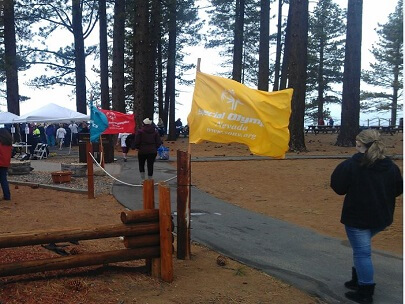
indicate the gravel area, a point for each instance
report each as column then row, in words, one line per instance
column 102, row 183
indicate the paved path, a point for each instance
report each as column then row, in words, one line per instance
column 310, row 261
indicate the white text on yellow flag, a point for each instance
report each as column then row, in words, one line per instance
column 225, row 111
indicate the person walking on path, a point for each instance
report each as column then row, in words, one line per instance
column 370, row 182
column 147, row 141
column 60, row 136
column 5, row 159
column 122, row 137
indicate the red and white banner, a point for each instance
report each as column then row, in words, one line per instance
column 119, row 122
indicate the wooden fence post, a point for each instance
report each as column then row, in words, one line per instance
column 183, row 205
column 166, row 240
column 90, row 171
column 148, row 194
column 152, row 265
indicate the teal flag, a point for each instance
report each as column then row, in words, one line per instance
column 99, row 123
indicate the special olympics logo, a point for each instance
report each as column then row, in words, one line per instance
column 229, row 97
column 111, row 116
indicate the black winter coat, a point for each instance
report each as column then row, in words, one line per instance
column 147, row 140
column 370, row 191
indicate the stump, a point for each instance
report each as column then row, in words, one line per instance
column 77, row 169
column 18, row 167
column 60, row 177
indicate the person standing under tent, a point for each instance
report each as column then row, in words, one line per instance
column 5, row 159
column 68, row 136
column 50, row 135
column 147, row 141
column 74, row 129
column 60, row 136
column 122, row 137
column 370, row 182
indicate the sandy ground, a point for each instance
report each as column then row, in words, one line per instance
column 296, row 191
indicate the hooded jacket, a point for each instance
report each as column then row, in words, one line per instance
column 147, row 140
column 369, row 191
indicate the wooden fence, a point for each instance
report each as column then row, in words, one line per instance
column 147, row 235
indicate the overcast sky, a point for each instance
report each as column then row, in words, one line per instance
column 374, row 12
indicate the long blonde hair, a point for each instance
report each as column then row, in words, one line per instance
column 375, row 147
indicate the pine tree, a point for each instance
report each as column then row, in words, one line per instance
column 387, row 70
column 221, row 35
column 351, row 76
column 297, row 71
column 325, row 57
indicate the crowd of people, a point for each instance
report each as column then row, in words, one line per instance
column 61, row 134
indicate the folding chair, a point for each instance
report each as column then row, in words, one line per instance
column 40, row 151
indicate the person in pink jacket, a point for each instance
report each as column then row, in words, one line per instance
column 5, row 159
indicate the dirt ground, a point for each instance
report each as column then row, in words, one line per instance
column 296, row 191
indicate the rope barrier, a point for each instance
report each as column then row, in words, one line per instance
column 122, row 182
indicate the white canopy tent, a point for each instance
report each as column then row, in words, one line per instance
column 7, row 117
column 52, row 113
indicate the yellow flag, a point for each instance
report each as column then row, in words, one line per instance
column 225, row 111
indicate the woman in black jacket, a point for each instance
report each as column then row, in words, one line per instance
column 370, row 182
column 147, row 141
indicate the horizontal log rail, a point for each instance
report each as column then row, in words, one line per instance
column 54, row 236
column 139, row 216
column 142, row 241
column 82, row 260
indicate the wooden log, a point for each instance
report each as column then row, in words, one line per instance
column 82, row 260
column 142, row 241
column 139, row 216
column 165, row 220
column 148, row 194
column 183, row 205
column 90, row 171
column 54, row 236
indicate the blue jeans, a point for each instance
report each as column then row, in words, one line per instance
column 360, row 240
column 4, row 183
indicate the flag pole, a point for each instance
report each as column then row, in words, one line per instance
column 198, row 70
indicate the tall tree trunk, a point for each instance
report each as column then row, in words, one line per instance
column 238, row 41
column 171, row 70
column 105, row 94
column 10, row 58
column 118, row 91
column 297, row 71
column 80, row 60
column 396, row 88
column 141, row 49
column 154, row 38
column 286, row 56
column 263, row 83
column 161, row 108
column 351, row 76
column 320, row 81
column 278, row 47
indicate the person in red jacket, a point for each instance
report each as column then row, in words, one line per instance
column 5, row 159
column 147, row 141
